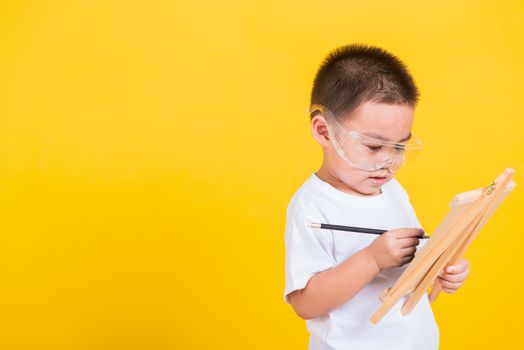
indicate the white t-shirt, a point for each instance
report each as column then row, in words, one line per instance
column 311, row 250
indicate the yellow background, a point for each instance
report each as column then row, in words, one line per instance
column 148, row 151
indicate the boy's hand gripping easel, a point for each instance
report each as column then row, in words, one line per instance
column 469, row 213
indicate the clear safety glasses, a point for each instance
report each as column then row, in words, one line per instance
column 365, row 152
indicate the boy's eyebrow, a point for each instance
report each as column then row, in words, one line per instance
column 372, row 134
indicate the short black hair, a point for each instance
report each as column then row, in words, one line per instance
column 357, row 73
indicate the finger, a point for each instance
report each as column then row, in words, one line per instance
column 449, row 291
column 411, row 232
column 408, row 242
column 409, row 251
column 455, row 277
column 457, row 268
column 453, row 270
column 448, row 284
column 407, row 259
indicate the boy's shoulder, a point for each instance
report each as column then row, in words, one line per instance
column 306, row 195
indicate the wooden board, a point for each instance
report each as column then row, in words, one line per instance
column 469, row 213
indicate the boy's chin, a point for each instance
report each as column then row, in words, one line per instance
column 373, row 186
column 371, row 191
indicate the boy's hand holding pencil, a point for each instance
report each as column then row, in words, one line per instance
column 395, row 248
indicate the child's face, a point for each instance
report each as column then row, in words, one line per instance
column 389, row 121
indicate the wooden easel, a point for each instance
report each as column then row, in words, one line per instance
column 469, row 213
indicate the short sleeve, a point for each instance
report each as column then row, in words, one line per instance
column 308, row 250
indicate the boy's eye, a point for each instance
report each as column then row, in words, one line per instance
column 399, row 148
column 374, row 148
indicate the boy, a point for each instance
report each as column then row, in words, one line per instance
column 362, row 108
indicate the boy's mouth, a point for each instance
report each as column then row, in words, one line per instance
column 378, row 180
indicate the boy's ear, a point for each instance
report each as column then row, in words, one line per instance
column 319, row 130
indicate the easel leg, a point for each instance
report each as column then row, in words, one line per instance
column 432, row 274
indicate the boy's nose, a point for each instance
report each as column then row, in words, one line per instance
column 387, row 164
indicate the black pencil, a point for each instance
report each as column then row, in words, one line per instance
column 352, row 229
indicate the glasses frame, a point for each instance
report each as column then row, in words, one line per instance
column 391, row 164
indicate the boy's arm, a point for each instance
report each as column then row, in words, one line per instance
column 331, row 288
column 327, row 290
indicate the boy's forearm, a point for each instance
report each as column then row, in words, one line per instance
column 329, row 289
